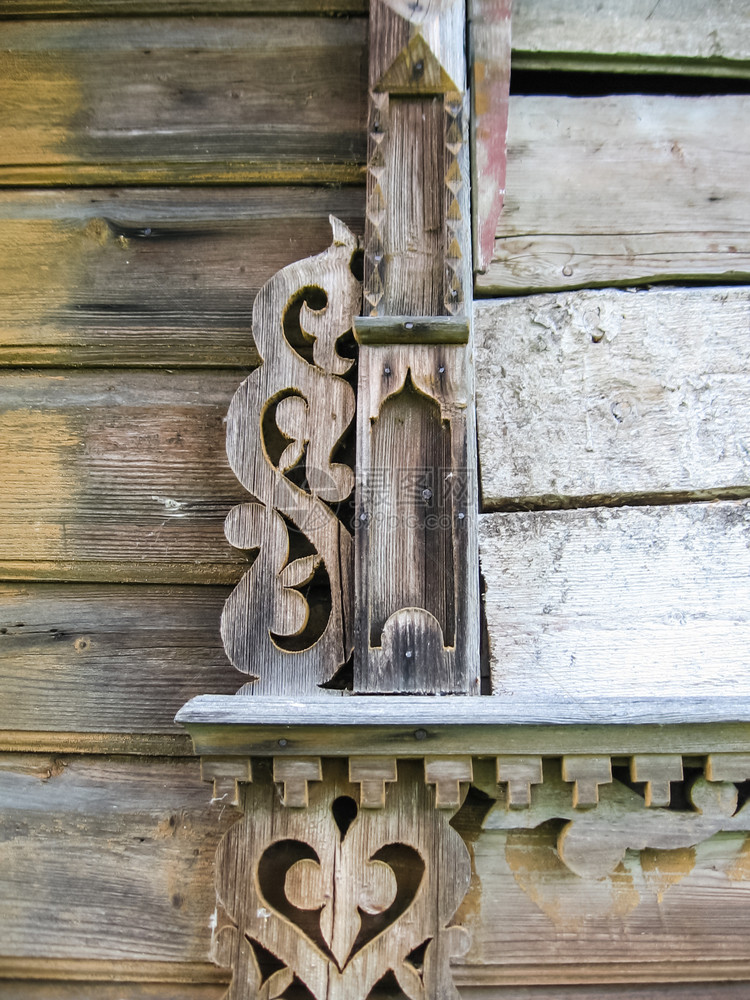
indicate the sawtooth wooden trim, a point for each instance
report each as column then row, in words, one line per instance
column 578, row 213
column 149, row 278
column 600, row 397
column 183, row 100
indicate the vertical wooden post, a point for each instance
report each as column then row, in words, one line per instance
column 417, row 577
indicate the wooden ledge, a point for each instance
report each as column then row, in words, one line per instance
column 414, row 726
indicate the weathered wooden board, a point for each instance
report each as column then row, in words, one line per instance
column 623, row 190
column 150, row 276
column 108, row 659
column 639, row 602
column 107, row 867
column 182, row 100
column 634, row 36
column 134, row 8
column 117, row 475
column 602, row 396
column 107, row 858
column 61, row 990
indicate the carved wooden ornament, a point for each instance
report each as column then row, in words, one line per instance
column 337, row 898
column 285, row 424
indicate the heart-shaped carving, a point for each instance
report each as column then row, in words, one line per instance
column 342, row 905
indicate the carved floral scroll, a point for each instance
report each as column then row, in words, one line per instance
column 286, row 424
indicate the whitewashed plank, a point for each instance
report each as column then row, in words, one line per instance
column 642, row 602
column 670, row 36
column 598, row 394
column 623, row 190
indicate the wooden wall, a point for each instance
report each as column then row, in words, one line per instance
column 157, row 165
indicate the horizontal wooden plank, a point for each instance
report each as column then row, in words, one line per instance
column 174, row 744
column 117, row 466
column 636, row 36
column 635, row 602
column 106, row 875
column 202, row 99
column 108, row 859
column 73, row 990
column 51, row 989
column 613, row 396
column 150, row 276
column 623, row 190
column 136, row 8
column 72, row 656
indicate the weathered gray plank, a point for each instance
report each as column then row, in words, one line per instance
column 365, row 725
column 600, row 396
column 175, row 100
column 641, row 602
column 107, row 858
column 72, row 656
column 636, row 36
column 150, row 277
column 623, row 190
column 125, row 468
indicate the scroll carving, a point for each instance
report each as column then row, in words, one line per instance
column 338, row 899
column 285, row 424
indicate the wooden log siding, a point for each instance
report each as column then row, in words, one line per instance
column 72, row 657
column 151, row 277
column 642, row 602
column 170, row 100
column 621, row 191
column 630, row 36
column 117, row 476
column 613, row 396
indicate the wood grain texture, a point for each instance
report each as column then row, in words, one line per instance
column 149, row 277
column 633, row 36
column 182, row 100
column 417, row 629
column 608, row 396
column 73, row 656
column 136, row 8
column 621, row 191
column 643, row 602
column 362, row 726
column 119, row 468
column 122, row 844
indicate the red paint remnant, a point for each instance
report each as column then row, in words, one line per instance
column 490, row 82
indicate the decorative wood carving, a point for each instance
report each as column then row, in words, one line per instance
column 285, row 424
column 417, row 574
column 335, row 898
column 593, row 842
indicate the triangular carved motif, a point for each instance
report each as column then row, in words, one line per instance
column 416, row 70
